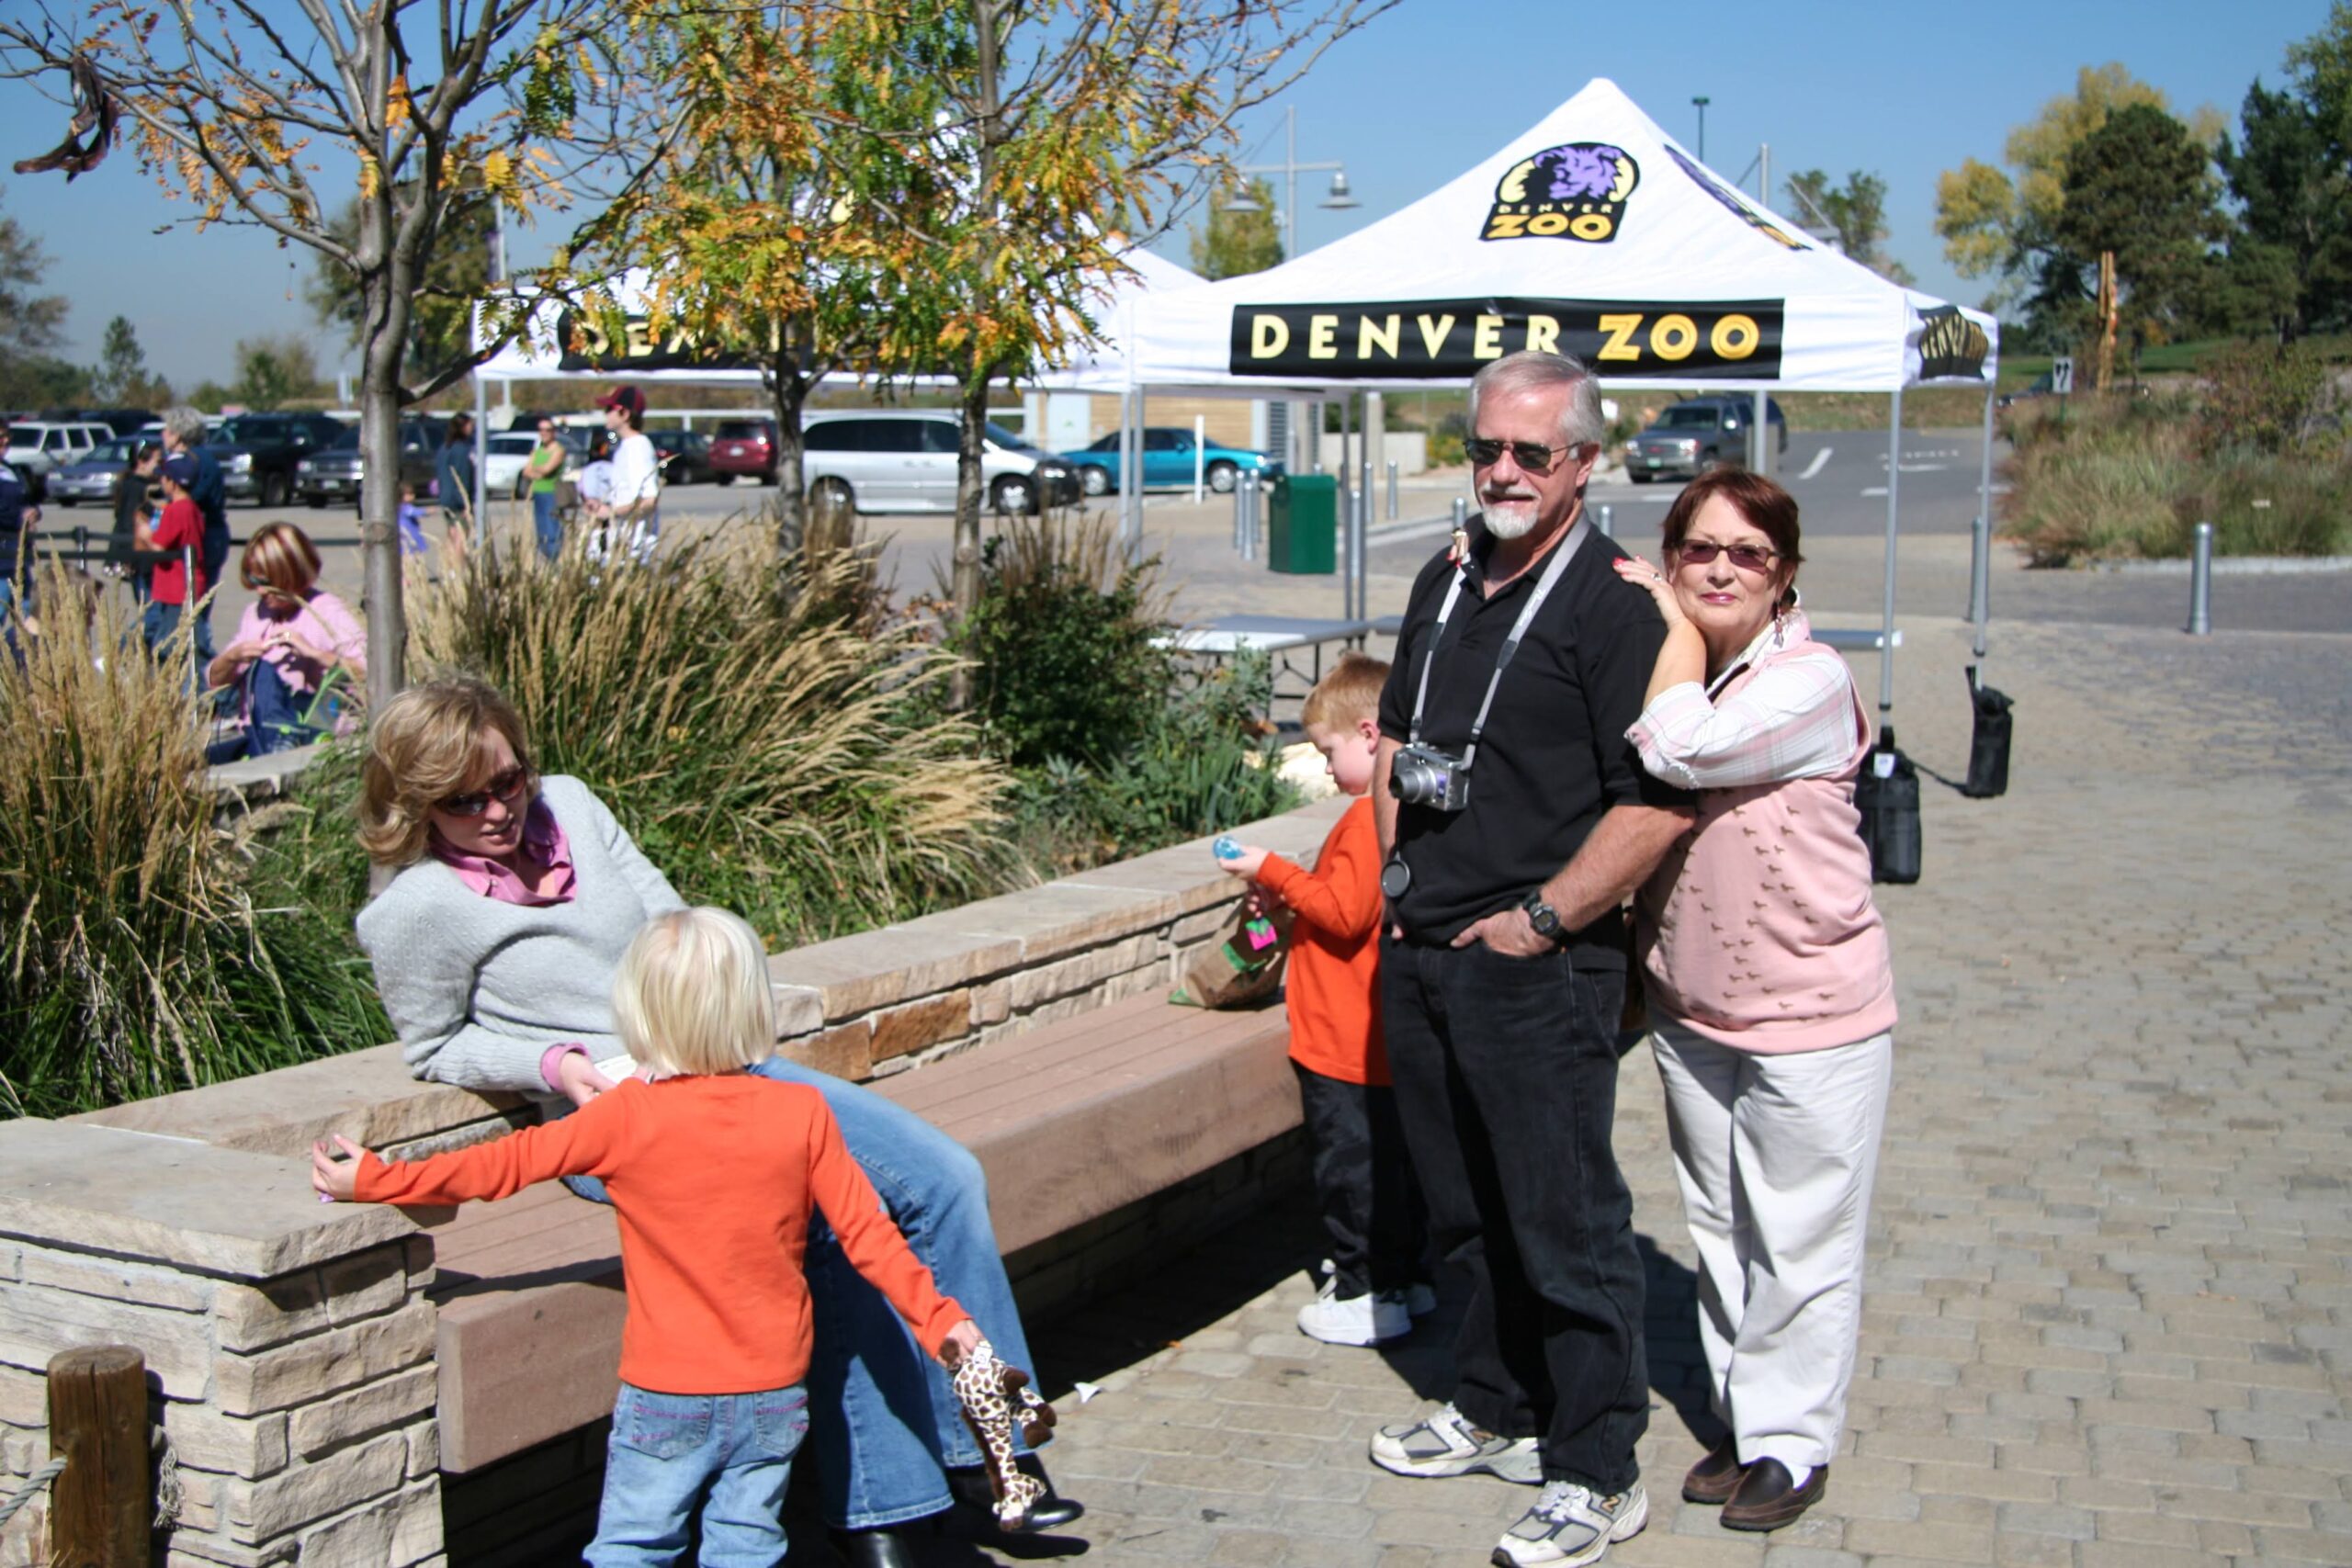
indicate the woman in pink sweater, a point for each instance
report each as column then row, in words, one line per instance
column 1772, row 996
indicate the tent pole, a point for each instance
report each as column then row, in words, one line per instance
column 1130, row 473
column 1982, row 604
column 1347, row 508
column 1886, row 620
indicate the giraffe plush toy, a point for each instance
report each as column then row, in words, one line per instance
column 991, row 1396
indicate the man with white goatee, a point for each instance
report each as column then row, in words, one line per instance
column 1515, row 818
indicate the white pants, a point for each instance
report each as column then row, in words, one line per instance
column 1776, row 1157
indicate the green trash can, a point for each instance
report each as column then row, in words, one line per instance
column 1302, row 524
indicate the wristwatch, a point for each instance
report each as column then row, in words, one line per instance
column 1543, row 916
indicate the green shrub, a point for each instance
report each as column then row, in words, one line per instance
column 1195, row 764
column 1063, row 644
column 766, row 728
column 148, row 950
column 2266, row 397
column 2130, row 478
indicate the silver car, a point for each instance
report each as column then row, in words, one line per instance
column 904, row 460
column 93, row 478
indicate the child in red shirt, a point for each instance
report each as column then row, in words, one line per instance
column 179, row 582
column 1363, row 1178
column 713, row 1172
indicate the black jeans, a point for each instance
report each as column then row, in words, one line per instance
column 1505, row 1073
column 1363, row 1183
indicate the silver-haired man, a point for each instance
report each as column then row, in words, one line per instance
column 1514, row 819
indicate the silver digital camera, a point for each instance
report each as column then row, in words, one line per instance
column 1423, row 775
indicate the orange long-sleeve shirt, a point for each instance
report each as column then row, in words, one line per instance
column 1334, row 979
column 713, row 1179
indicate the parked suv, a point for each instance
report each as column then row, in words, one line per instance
column 38, row 448
column 333, row 472
column 257, row 452
column 904, row 460
column 1696, row 435
column 744, row 448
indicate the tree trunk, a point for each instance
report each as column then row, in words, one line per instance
column 788, row 392
column 971, row 495
column 379, row 489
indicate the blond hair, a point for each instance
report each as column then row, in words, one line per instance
column 279, row 555
column 692, row 995
column 1347, row 695
column 424, row 748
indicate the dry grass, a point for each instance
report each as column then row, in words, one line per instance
column 767, row 730
column 138, row 959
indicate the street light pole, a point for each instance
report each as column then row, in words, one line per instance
column 1701, row 100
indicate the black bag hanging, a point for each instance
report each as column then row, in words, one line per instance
column 1887, row 795
column 1988, row 741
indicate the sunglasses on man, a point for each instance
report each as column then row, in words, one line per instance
column 1532, row 455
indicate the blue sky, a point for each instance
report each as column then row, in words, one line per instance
column 1901, row 89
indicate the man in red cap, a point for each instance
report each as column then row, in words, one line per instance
column 636, row 474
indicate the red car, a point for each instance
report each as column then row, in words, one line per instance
column 745, row 447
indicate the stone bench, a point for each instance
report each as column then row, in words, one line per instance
column 1071, row 1121
column 320, row 1368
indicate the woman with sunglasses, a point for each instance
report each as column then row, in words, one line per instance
column 1771, row 993
column 294, row 640
column 512, row 900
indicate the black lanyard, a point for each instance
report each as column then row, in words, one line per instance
column 1553, row 570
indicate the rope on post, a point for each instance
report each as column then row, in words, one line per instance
column 35, row 1485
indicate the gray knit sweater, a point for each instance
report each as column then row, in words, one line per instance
column 479, row 990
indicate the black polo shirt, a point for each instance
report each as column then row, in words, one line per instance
column 1553, row 757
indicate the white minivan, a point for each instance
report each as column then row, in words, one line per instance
column 38, row 448
column 904, row 460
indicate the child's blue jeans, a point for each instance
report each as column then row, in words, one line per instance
column 729, row 1454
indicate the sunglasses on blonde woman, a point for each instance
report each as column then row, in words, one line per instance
column 505, row 789
column 1747, row 557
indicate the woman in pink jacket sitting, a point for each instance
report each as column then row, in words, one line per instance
column 1772, row 996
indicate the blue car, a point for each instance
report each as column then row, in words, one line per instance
column 1168, row 460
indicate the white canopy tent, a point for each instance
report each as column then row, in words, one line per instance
column 1596, row 235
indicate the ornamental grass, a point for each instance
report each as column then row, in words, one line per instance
column 146, row 949
column 767, row 728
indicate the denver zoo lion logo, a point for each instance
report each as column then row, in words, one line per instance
column 1576, row 191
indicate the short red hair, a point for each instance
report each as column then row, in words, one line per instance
column 1768, row 508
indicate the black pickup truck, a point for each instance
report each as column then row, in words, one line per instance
column 257, row 452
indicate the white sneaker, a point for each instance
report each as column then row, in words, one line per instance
column 1354, row 1320
column 1443, row 1443
column 1569, row 1527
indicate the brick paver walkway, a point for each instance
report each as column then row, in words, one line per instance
column 2109, row 1319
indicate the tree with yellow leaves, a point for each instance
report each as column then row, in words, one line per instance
column 1010, row 152
column 2004, row 222
column 269, row 114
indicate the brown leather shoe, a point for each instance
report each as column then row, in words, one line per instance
column 1766, row 1499
column 1713, row 1479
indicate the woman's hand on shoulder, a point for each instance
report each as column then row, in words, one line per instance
column 1651, row 580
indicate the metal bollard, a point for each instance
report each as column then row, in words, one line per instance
column 2200, row 584
column 1461, row 511
column 1980, row 579
column 1392, row 492
column 1603, row 517
column 1352, row 536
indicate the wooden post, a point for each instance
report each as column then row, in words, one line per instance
column 102, row 1507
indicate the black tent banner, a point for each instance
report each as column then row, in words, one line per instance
column 1420, row 339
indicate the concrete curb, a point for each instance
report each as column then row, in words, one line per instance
column 2231, row 566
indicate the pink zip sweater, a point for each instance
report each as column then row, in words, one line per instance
column 1757, row 930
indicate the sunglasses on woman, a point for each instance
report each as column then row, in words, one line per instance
column 1747, row 557
column 504, row 788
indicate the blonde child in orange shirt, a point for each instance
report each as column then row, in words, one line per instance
column 1363, row 1178
column 712, row 1172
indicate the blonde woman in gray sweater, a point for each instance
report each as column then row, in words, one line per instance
column 495, row 945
